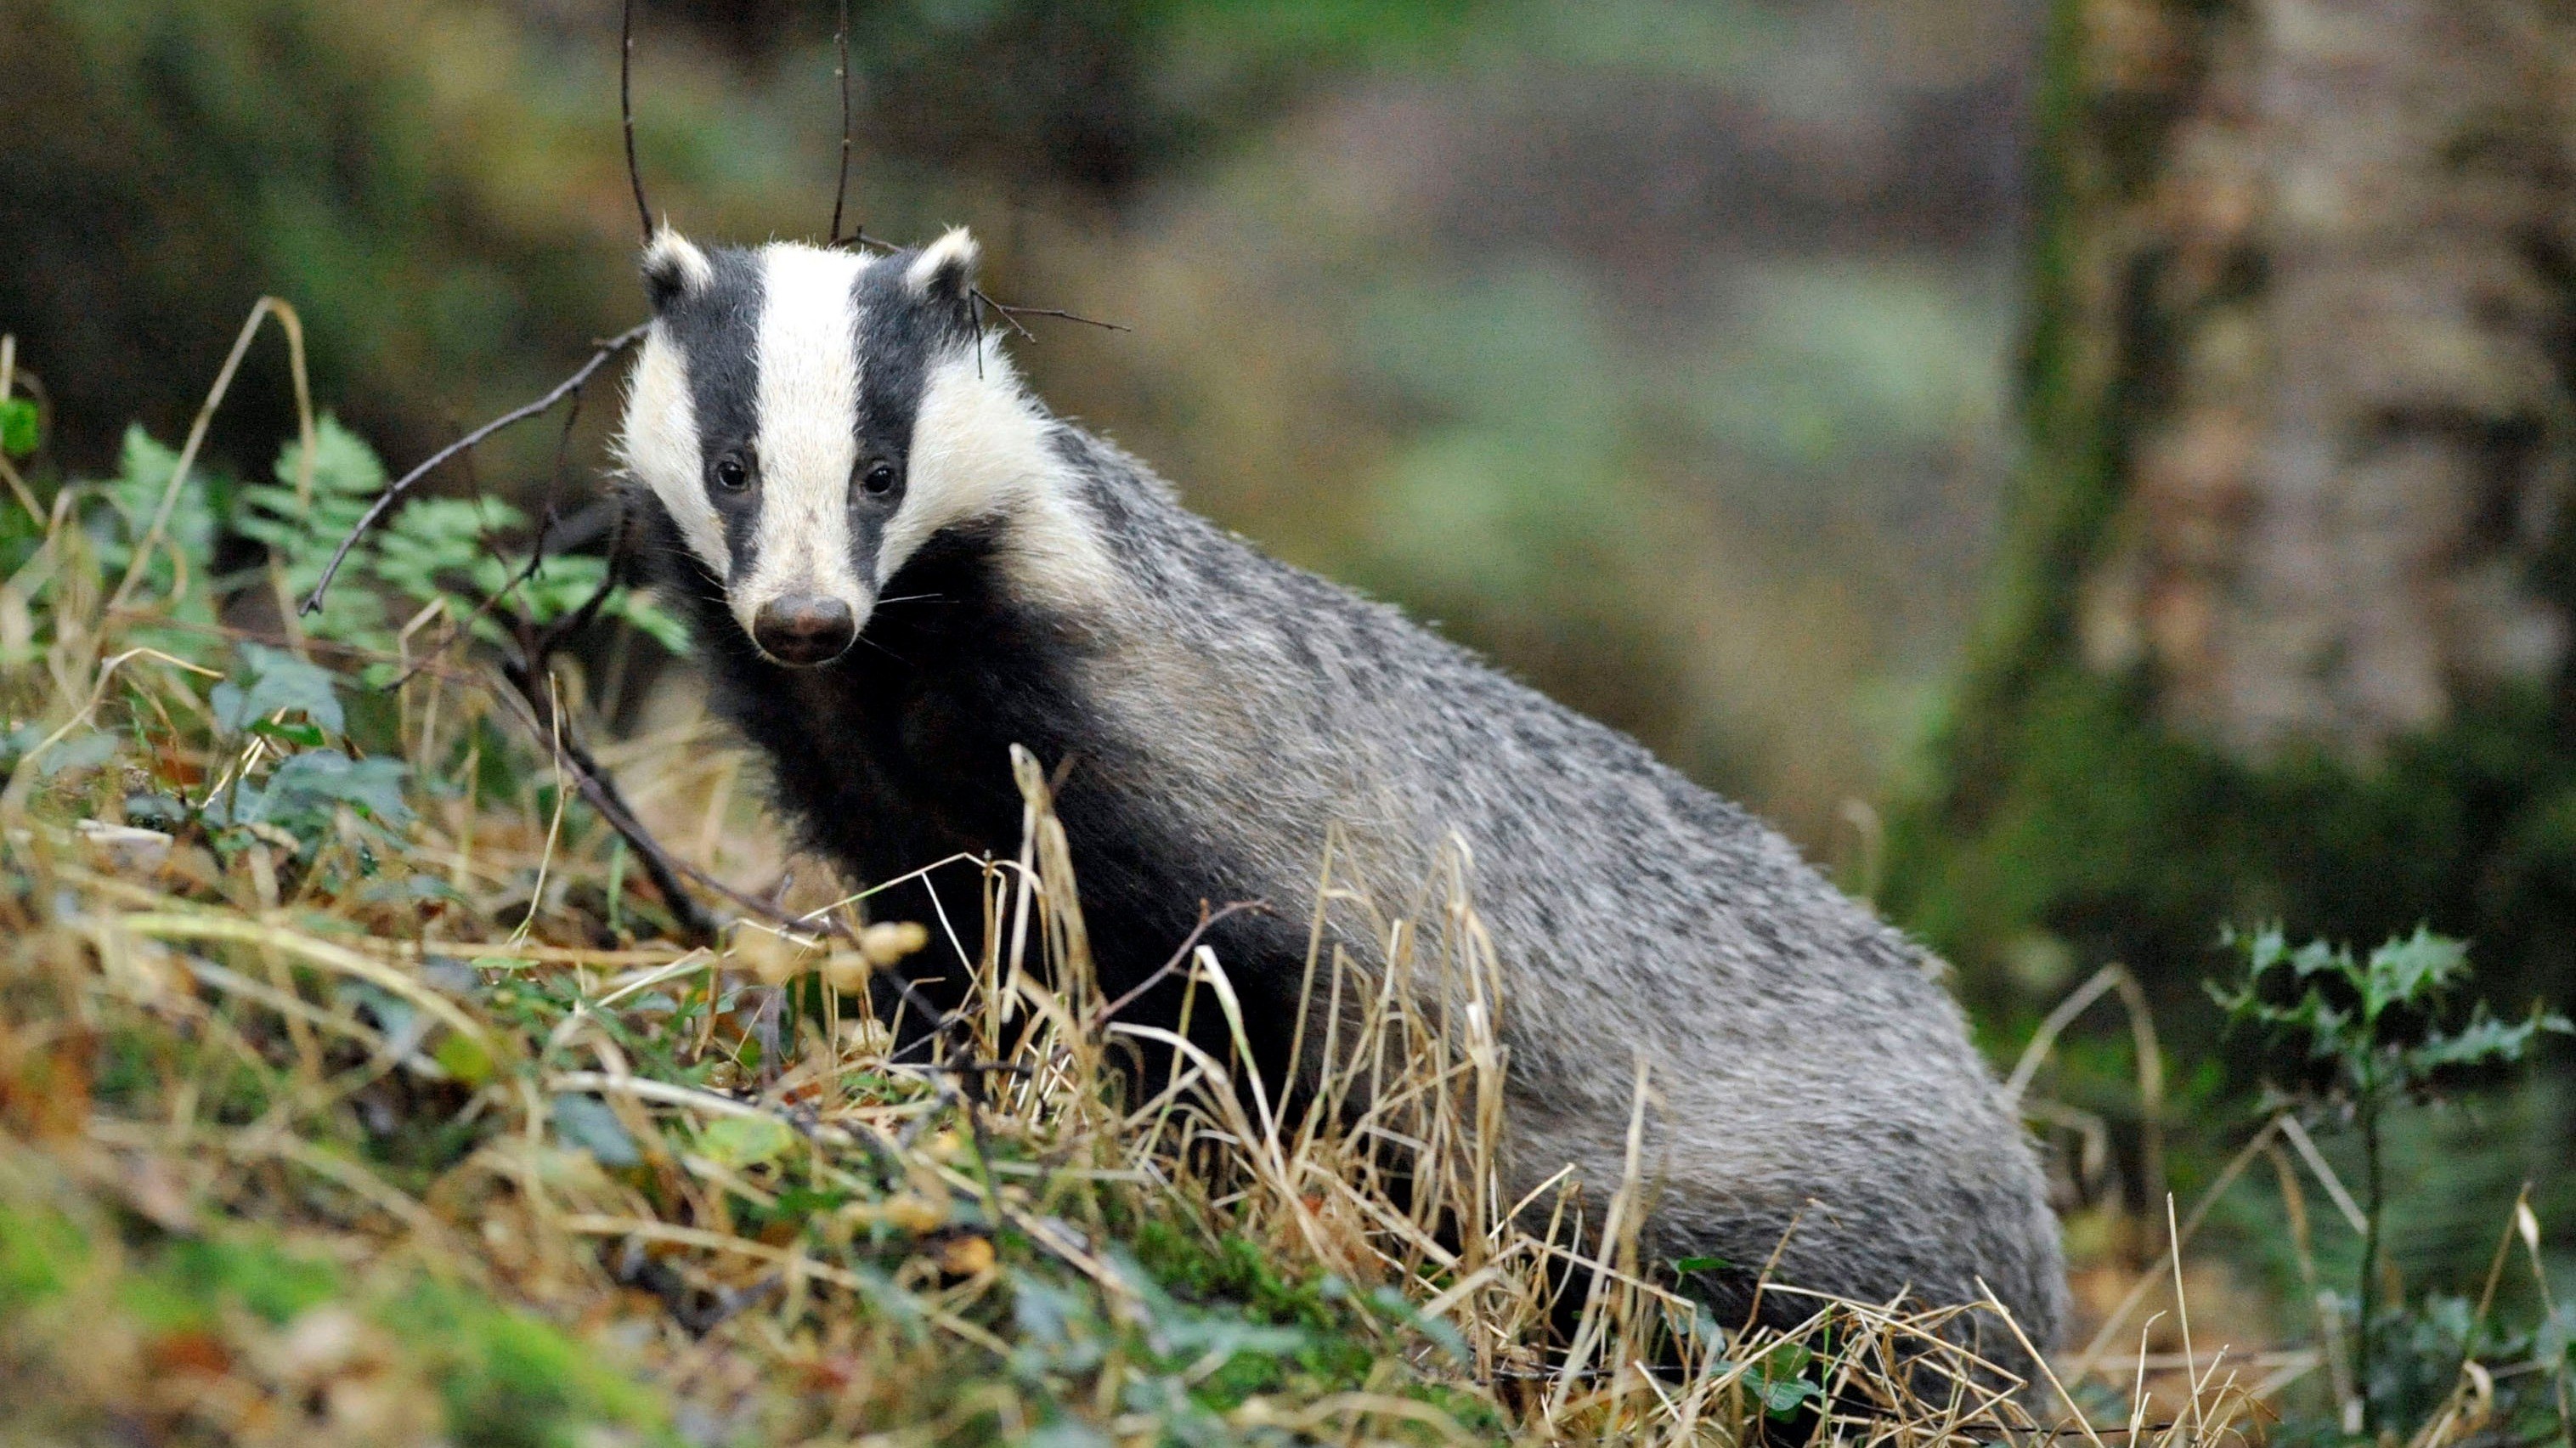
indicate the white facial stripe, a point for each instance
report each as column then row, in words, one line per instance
column 979, row 449
column 807, row 443
column 659, row 446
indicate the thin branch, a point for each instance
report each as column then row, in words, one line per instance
column 664, row 869
column 626, row 112
column 980, row 302
column 841, row 190
column 1012, row 315
column 1207, row 921
column 393, row 493
column 673, row 876
column 580, row 618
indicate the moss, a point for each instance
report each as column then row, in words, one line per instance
column 2127, row 841
column 37, row 1246
column 1235, row 1270
column 509, row 1380
column 505, row 1378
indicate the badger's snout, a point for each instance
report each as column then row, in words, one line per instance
column 804, row 629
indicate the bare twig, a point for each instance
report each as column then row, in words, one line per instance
column 1180, row 957
column 1012, row 315
column 666, row 871
column 393, row 493
column 293, row 326
column 841, row 189
column 626, row 113
column 673, row 876
column 580, row 618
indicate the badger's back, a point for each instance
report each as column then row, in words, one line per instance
column 1809, row 1067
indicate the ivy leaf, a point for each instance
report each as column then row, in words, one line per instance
column 1781, row 1382
column 1784, row 1396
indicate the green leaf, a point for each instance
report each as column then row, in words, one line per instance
column 1783, row 1397
column 2413, row 971
column 86, row 750
column 133, row 498
column 1685, row 1266
column 741, row 1141
column 305, row 736
column 586, row 1122
column 464, row 1058
column 18, row 426
column 2483, row 1041
column 308, row 788
column 1780, row 1379
column 277, row 681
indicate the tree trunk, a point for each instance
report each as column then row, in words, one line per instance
column 2286, row 628
column 2359, row 237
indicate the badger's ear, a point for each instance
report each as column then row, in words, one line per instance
column 674, row 268
column 945, row 269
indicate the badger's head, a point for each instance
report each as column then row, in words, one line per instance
column 808, row 418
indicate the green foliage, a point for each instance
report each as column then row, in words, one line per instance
column 509, row 1380
column 2352, row 1038
column 503, row 1378
column 37, row 1246
column 117, row 514
column 2423, row 1344
column 300, row 525
column 276, row 683
column 192, row 1281
column 441, row 553
column 2369, row 1032
column 1784, row 1379
column 19, row 427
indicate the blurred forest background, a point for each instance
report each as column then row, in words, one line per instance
column 2093, row 470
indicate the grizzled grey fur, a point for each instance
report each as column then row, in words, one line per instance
column 1217, row 713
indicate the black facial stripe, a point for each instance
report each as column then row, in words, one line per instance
column 901, row 336
column 717, row 331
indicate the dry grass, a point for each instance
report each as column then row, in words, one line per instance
column 418, row 1132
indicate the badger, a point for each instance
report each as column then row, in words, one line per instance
column 899, row 564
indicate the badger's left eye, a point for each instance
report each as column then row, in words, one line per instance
column 879, row 480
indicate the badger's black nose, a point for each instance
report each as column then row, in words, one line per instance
column 804, row 628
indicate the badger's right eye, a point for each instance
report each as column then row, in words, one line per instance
column 731, row 474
